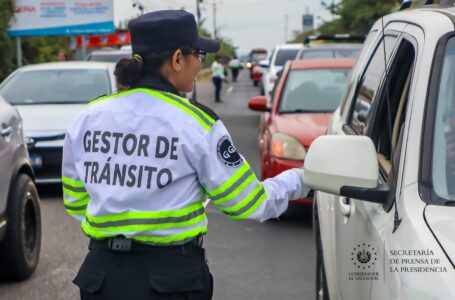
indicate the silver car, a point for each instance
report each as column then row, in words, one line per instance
column 48, row 97
column 20, row 218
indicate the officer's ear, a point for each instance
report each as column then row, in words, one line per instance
column 177, row 60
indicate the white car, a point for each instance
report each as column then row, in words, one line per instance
column 48, row 98
column 110, row 55
column 384, row 215
column 280, row 55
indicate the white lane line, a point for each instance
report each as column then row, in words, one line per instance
column 230, row 89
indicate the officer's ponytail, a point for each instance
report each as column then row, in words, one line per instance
column 129, row 70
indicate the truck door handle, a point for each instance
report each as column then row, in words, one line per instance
column 345, row 206
column 6, row 131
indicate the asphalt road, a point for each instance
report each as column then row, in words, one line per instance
column 249, row 260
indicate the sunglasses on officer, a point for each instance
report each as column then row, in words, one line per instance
column 198, row 53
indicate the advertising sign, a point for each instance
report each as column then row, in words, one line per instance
column 105, row 40
column 62, row 17
column 308, row 22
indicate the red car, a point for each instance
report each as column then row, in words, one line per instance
column 304, row 98
column 256, row 74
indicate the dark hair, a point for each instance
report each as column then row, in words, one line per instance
column 130, row 70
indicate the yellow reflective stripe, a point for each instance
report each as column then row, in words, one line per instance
column 244, row 202
column 237, row 191
column 204, row 119
column 77, row 203
column 147, row 227
column 77, row 195
column 237, row 175
column 72, row 182
column 148, row 239
column 146, row 215
column 110, row 97
column 76, row 212
column 249, row 211
column 206, row 116
column 185, row 108
column 173, row 238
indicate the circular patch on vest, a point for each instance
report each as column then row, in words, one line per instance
column 227, row 153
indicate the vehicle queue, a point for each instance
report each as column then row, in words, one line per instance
column 374, row 194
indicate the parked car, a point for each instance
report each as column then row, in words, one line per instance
column 255, row 56
column 256, row 72
column 110, row 55
column 331, row 46
column 306, row 95
column 280, row 55
column 20, row 217
column 384, row 212
column 53, row 96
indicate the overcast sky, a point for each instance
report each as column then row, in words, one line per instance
column 247, row 23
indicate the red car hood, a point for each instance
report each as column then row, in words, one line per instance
column 305, row 127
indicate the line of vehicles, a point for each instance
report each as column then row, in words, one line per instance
column 373, row 125
column 380, row 158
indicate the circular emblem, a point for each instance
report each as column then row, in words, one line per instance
column 364, row 256
column 227, row 153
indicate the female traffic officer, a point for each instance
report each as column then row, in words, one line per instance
column 137, row 167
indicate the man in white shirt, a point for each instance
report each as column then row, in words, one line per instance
column 218, row 77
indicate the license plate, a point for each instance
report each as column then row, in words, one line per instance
column 37, row 161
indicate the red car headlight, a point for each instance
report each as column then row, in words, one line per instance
column 287, row 147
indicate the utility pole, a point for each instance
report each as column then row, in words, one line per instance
column 198, row 11
column 214, row 20
column 286, row 19
column 215, row 27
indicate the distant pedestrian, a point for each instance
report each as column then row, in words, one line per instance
column 218, row 76
column 235, row 66
column 62, row 55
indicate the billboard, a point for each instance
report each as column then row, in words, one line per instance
column 105, row 40
column 62, row 17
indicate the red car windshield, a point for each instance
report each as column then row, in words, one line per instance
column 313, row 90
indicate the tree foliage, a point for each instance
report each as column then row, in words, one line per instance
column 226, row 49
column 34, row 49
column 6, row 44
column 357, row 16
column 353, row 16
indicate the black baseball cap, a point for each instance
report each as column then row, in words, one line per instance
column 167, row 30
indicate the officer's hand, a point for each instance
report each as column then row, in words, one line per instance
column 305, row 190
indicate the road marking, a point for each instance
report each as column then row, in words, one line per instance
column 230, row 89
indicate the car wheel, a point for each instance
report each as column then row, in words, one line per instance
column 322, row 292
column 19, row 251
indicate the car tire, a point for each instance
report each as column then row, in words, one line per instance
column 19, row 251
column 322, row 291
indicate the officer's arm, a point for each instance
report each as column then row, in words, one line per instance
column 75, row 197
column 234, row 188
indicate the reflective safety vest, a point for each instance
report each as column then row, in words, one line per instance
column 217, row 70
column 141, row 163
column 234, row 63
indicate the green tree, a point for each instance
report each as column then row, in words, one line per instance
column 226, row 49
column 357, row 16
column 6, row 44
column 353, row 16
column 43, row 49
